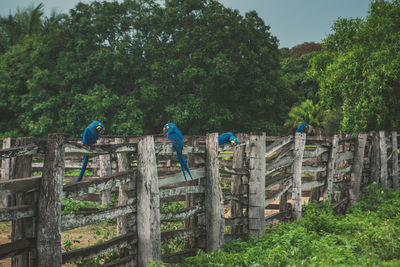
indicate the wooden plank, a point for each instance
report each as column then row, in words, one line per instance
column 395, row 161
column 279, row 164
column 99, row 249
column 5, row 172
column 104, row 170
column 280, row 192
column 178, row 177
column 49, row 212
column 9, row 187
column 344, row 170
column 312, row 184
column 214, row 202
column 375, row 158
column 182, row 190
column 16, row 213
column 123, row 165
column 105, row 183
column 23, row 228
column 181, row 215
column 331, row 168
column 313, row 168
column 17, row 247
column 19, row 151
column 100, row 149
column 238, row 161
column 148, row 204
column 383, row 159
column 344, row 156
column 276, row 216
column 315, row 153
column 184, row 233
column 257, row 168
column 128, row 261
column 299, row 143
column 177, row 257
column 233, row 171
column 341, row 186
column 357, row 169
column 276, row 180
column 72, row 221
column 278, row 144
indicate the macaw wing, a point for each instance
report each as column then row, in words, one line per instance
column 177, row 141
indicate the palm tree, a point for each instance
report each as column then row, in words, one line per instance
column 305, row 112
column 26, row 21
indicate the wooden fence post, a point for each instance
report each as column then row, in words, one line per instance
column 375, row 159
column 257, row 184
column 148, row 204
column 331, row 169
column 383, row 153
column 357, row 169
column 299, row 143
column 48, row 242
column 236, row 206
column 24, row 228
column 214, row 202
column 105, row 169
column 123, row 165
column 395, row 161
column 5, row 171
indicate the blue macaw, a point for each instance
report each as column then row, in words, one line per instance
column 90, row 136
column 226, row 138
column 176, row 138
column 303, row 128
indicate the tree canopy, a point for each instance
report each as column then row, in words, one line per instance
column 136, row 65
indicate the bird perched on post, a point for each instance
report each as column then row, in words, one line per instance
column 176, row 138
column 303, row 128
column 227, row 138
column 90, row 136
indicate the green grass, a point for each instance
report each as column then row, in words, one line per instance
column 369, row 235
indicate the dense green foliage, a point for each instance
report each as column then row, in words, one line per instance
column 369, row 235
column 359, row 69
column 136, row 65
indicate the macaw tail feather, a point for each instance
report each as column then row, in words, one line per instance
column 184, row 165
column 85, row 161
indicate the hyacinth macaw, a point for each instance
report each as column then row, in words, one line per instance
column 303, row 128
column 176, row 138
column 227, row 138
column 90, row 136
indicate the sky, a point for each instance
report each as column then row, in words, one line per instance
column 293, row 22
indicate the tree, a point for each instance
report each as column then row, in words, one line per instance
column 305, row 112
column 359, row 70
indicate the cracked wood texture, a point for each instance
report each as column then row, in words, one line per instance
column 257, row 184
column 299, row 143
column 358, row 165
column 49, row 213
column 214, row 202
column 395, row 162
column 148, row 204
column 5, row 171
column 105, row 169
column 384, row 157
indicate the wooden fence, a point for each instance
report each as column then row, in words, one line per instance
column 236, row 190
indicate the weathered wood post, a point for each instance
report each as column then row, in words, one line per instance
column 238, row 162
column 375, row 158
column 357, row 169
column 189, row 198
column 123, row 165
column 395, row 161
column 5, row 171
column 24, row 228
column 383, row 153
column 257, row 184
column 148, row 204
column 105, row 169
column 299, row 143
column 214, row 202
column 49, row 212
column 331, row 169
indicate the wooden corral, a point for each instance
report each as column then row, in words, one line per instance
column 232, row 195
